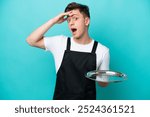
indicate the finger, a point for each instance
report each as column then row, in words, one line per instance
column 68, row 13
column 71, row 14
column 63, row 15
column 62, row 20
column 65, row 18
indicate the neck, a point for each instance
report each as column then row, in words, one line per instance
column 85, row 39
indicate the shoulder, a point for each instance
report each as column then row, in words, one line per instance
column 59, row 39
column 56, row 38
column 54, row 42
column 102, row 48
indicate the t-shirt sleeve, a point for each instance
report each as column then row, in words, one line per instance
column 104, row 66
column 53, row 43
column 105, row 61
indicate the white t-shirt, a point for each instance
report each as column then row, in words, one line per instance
column 57, row 46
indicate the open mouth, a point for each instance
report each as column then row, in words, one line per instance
column 73, row 30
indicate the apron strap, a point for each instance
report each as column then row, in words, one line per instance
column 94, row 47
column 68, row 44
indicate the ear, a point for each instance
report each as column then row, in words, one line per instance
column 87, row 21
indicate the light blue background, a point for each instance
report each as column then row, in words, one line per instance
column 121, row 25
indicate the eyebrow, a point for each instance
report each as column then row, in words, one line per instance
column 74, row 15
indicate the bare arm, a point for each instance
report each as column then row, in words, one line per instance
column 36, row 38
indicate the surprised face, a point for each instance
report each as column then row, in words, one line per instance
column 77, row 23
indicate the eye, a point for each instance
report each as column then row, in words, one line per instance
column 75, row 18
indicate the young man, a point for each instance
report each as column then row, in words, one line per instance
column 74, row 56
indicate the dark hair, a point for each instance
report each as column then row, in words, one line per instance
column 84, row 9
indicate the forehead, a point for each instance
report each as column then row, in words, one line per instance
column 76, row 12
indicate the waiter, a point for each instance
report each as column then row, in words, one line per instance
column 74, row 56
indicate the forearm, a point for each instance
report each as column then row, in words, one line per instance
column 36, row 35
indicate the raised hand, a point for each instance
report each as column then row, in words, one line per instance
column 61, row 17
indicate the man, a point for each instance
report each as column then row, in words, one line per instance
column 74, row 56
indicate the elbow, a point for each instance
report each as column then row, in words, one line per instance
column 30, row 42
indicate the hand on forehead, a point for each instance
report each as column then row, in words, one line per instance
column 72, row 13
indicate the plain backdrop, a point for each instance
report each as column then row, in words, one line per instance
column 121, row 25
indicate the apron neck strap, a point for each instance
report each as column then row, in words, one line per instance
column 68, row 44
column 94, row 47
